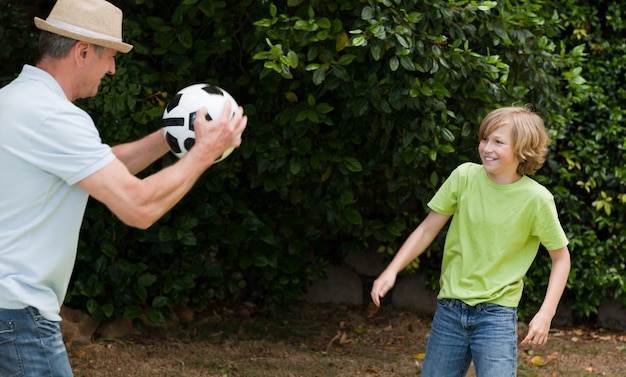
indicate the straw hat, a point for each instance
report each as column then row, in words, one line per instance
column 94, row 21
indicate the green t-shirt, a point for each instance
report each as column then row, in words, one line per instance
column 494, row 235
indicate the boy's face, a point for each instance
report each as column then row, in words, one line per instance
column 498, row 157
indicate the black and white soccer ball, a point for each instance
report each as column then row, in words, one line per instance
column 180, row 113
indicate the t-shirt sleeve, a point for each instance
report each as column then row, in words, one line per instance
column 67, row 144
column 446, row 198
column 549, row 228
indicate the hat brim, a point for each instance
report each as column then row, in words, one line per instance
column 118, row 46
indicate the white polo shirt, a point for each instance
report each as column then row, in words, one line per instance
column 47, row 145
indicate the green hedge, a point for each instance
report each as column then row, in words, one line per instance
column 586, row 168
column 357, row 111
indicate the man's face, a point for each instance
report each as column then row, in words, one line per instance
column 97, row 66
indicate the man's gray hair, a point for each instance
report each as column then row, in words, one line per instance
column 57, row 46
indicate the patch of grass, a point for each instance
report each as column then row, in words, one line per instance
column 316, row 341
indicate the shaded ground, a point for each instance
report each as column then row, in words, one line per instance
column 322, row 341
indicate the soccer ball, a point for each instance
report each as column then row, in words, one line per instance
column 180, row 113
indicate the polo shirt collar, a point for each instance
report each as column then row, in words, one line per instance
column 30, row 72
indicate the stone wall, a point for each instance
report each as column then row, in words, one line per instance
column 351, row 282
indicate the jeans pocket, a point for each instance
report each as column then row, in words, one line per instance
column 446, row 302
column 49, row 333
column 499, row 310
column 10, row 363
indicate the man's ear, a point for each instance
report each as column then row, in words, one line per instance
column 80, row 52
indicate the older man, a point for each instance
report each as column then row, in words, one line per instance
column 53, row 159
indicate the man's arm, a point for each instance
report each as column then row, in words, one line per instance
column 141, row 202
column 138, row 155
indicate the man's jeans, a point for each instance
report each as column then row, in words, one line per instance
column 31, row 346
column 485, row 333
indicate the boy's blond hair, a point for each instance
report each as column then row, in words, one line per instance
column 530, row 138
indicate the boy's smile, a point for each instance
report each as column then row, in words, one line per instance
column 498, row 157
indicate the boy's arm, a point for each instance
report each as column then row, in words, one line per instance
column 539, row 326
column 415, row 245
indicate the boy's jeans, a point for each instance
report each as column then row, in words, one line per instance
column 31, row 345
column 485, row 333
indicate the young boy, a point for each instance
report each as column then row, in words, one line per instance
column 499, row 218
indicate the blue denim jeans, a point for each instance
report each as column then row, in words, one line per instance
column 31, row 346
column 460, row 333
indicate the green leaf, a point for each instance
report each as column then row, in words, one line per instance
column 109, row 249
column 377, row 51
column 367, row 13
column 295, row 165
column 293, row 59
column 146, row 280
column 187, row 238
column 166, row 234
column 319, row 76
column 352, row 164
column 132, row 311
column 185, row 38
column 141, row 292
column 353, row 216
column 394, row 63
column 447, row 135
column 92, row 306
column 359, row 41
column 323, row 108
column 346, row 59
column 155, row 317
column 341, row 72
column 434, row 179
column 101, row 264
column 324, row 23
column 407, row 63
column 108, row 310
column 159, row 302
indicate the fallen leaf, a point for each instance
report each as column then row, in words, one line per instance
column 344, row 338
column 603, row 338
column 538, row 361
column 419, row 356
column 553, row 356
column 337, row 336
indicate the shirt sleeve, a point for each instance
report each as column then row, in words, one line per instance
column 549, row 228
column 446, row 198
column 67, row 144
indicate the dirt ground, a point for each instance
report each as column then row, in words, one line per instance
column 322, row 341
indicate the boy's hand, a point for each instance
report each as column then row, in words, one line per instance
column 538, row 330
column 381, row 286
